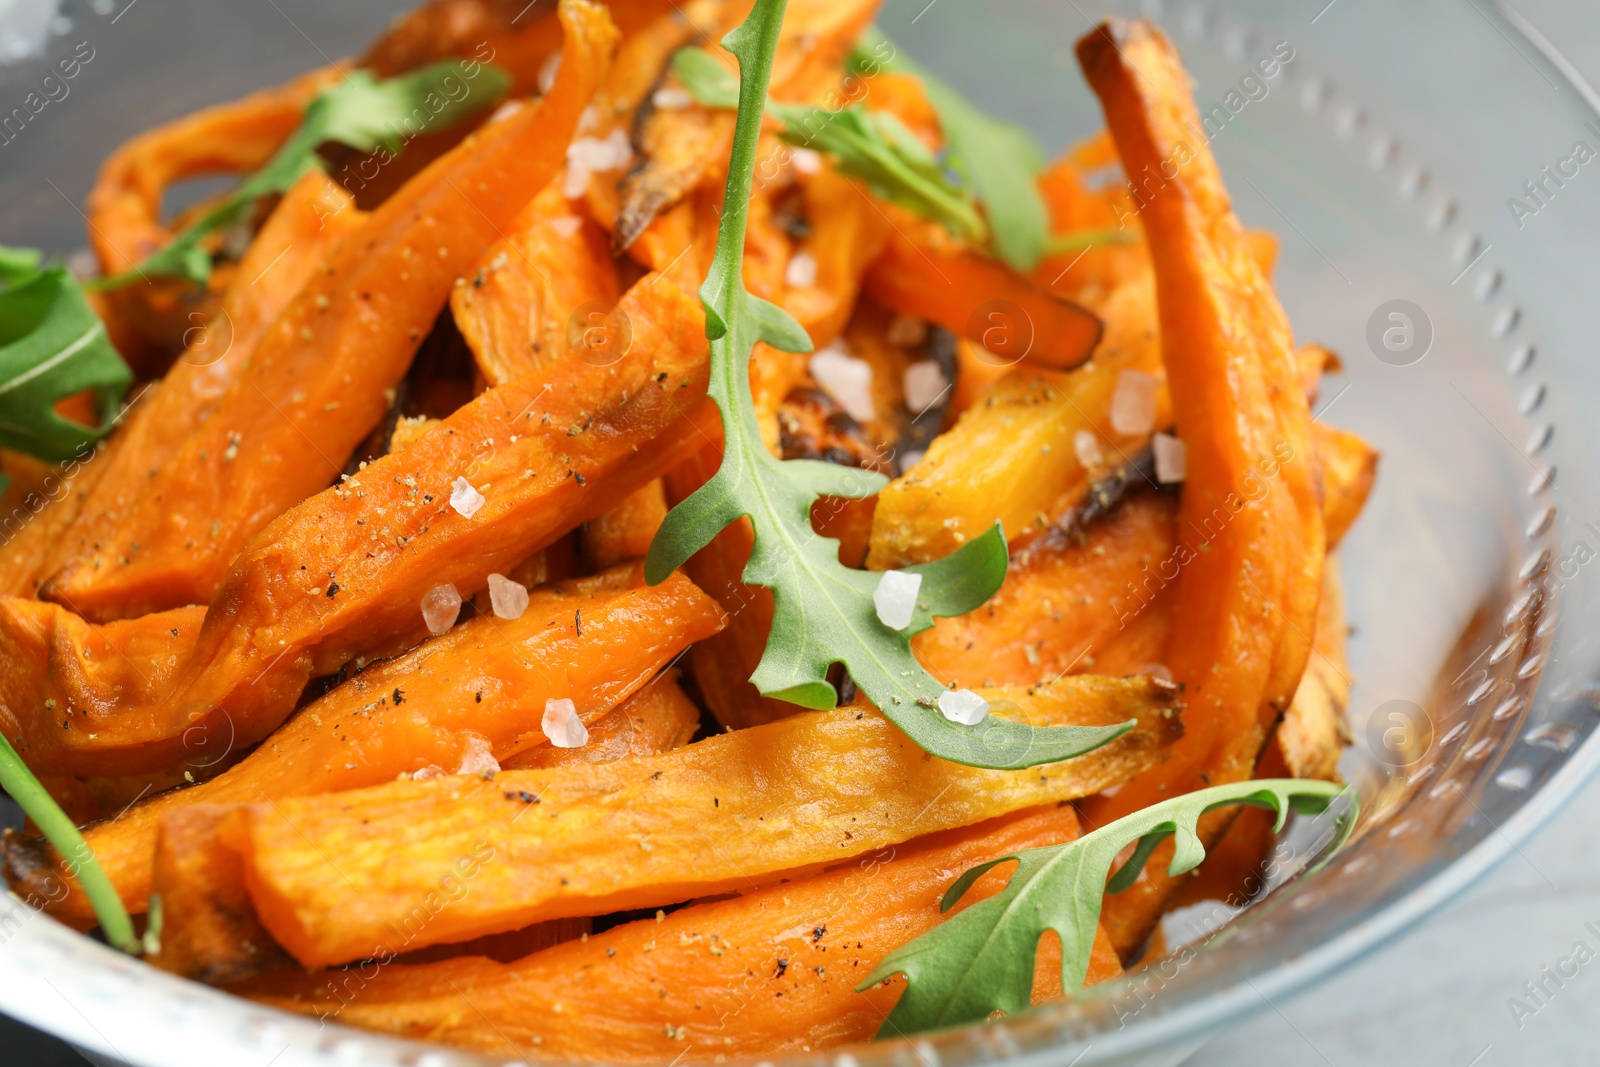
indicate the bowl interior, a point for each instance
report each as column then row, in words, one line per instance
column 1460, row 327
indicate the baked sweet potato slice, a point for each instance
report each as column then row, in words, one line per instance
column 722, row 814
column 464, row 699
column 1247, row 592
column 926, row 272
column 543, row 291
column 1314, row 731
column 211, row 932
column 679, row 149
column 769, row 972
column 1015, row 456
column 625, row 532
column 548, row 451
column 315, row 384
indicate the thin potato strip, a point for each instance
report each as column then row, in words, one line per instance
column 315, row 385
column 721, row 814
column 464, row 698
column 769, row 972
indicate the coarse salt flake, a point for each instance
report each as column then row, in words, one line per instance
column 1133, row 403
column 925, row 385
column 566, row 225
column 806, row 160
column 478, row 757
column 801, row 273
column 562, row 725
column 548, row 70
column 896, row 598
column 465, row 499
column 1087, row 448
column 963, row 706
column 441, row 606
column 845, row 378
column 671, row 98
column 1172, row 458
column 509, row 598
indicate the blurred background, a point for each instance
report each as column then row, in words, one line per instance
column 1442, row 996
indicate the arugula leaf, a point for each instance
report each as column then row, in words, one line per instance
column 362, row 112
column 53, row 345
column 982, row 960
column 59, row 830
column 19, row 264
column 872, row 146
column 1000, row 159
column 823, row 612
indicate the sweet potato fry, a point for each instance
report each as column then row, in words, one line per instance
column 701, row 982
column 1349, row 466
column 848, row 232
column 678, row 149
column 927, row 273
column 543, row 844
column 1314, row 733
column 473, row 694
column 579, row 434
column 658, row 718
column 1247, row 603
column 625, row 532
column 1015, row 456
column 545, row 290
column 314, row 386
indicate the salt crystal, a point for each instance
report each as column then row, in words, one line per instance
column 566, row 225
column 896, row 598
column 847, row 379
column 509, row 598
column 432, row 770
column 925, row 384
column 906, row 331
column 1172, row 458
column 671, row 98
column 1158, row 671
column 589, row 119
column 963, row 706
column 910, row 458
column 576, row 182
column 806, row 160
column 801, row 272
column 547, row 73
column 478, row 758
column 441, row 606
column 505, row 111
column 1133, row 403
column 465, row 499
column 1087, row 448
column 562, row 725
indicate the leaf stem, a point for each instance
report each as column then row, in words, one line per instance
column 59, row 830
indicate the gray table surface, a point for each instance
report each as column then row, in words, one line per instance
column 1463, row 989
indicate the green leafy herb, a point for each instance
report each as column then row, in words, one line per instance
column 982, row 960
column 874, row 147
column 58, row 829
column 1000, row 159
column 52, row 345
column 823, row 612
column 18, row 265
column 362, row 112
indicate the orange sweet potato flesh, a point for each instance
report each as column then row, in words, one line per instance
column 1012, row 457
column 722, row 814
column 1246, row 604
column 312, row 217
column 580, row 435
column 925, row 272
column 315, row 384
column 769, row 972
column 658, row 718
column 625, row 532
column 543, row 290
column 480, row 688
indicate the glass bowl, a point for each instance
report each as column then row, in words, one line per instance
column 1390, row 154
